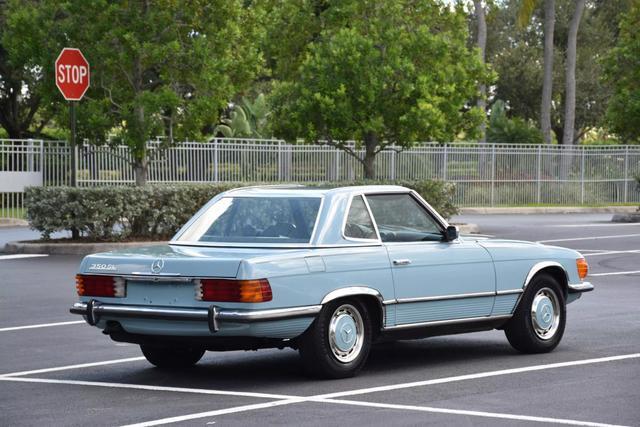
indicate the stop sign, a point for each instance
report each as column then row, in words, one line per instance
column 72, row 74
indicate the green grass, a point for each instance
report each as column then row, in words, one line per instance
column 17, row 213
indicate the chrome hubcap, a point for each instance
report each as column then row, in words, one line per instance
column 545, row 313
column 346, row 331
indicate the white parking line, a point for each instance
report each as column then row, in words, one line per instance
column 615, row 273
column 329, row 397
column 20, row 256
column 616, row 224
column 41, row 325
column 480, row 375
column 604, row 252
column 68, row 367
column 617, row 236
column 469, row 413
column 149, row 387
column 232, row 410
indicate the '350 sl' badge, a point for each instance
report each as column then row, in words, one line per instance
column 157, row 265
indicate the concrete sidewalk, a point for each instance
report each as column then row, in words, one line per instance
column 547, row 210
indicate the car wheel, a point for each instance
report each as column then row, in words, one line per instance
column 337, row 343
column 538, row 323
column 171, row 357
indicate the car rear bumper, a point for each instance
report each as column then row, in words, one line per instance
column 213, row 315
column 580, row 287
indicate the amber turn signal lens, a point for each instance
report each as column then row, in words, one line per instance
column 229, row 290
column 583, row 268
column 79, row 285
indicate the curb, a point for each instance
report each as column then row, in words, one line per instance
column 467, row 228
column 548, row 210
column 13, row 222
column 71, row 248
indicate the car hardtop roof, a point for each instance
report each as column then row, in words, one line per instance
column 302, row 191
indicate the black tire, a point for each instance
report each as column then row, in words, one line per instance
column 527, row 335
column 321, row 352
column 171, row 357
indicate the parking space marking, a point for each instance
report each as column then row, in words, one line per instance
column 149, row 387
column 480, row 375
column 41, row 325
column 330, row 397
column 615, row 273
column 68, row 367
column 233, row 410
column 20, row 256
column 616, row 236
column 617, row 224
column 604, row 252
column 469, row 413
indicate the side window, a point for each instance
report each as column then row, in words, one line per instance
column 359, row 224
column 400, row 218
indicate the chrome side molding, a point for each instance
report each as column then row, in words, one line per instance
column 445, row 322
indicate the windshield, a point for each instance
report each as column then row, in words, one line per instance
column 256, row 220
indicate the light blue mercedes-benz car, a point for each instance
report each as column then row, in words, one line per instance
column 328, row 272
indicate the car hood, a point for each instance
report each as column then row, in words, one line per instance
column 173, row 260
column 505, row 249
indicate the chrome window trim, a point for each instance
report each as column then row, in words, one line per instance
column 446, row 322
column 278, row 245
column 346, row 217
column 421, row 203
column 175, row 240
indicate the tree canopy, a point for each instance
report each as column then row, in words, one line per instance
column 158, row 68
column 623, row 73
column 399, row 72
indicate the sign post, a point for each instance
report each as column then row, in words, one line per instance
column 72, row 79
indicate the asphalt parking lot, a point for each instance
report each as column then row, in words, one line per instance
column 56, row 370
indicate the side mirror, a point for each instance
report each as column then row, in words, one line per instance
column 451, row 233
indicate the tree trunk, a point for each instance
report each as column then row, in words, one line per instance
column 547, row 83
column 370, row 144
column 141, row 169
column 481, row 42
column 570, row 75
column 141, row 161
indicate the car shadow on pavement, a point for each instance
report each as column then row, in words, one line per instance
column 275, row 369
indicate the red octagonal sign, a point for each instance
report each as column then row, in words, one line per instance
column 72, row 74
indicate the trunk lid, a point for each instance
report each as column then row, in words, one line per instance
column 170, row 260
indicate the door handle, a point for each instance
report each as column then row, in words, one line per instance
column 401, row 261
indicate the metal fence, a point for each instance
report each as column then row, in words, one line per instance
column 485, row 175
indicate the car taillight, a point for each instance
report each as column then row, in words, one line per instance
column 229, row 290
column 583, row 268
column 100, row 286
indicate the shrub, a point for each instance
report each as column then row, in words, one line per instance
column 158, row 211
column 503, row 130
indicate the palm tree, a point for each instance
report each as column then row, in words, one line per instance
column 524, row 16
column 570, row 76
column 481, row 42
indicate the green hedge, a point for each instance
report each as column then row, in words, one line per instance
column 158, row 211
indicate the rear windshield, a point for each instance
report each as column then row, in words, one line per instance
column 256, row 220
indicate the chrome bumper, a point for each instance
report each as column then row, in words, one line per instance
column 580, row 287
column 213, row 315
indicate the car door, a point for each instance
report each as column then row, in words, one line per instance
column 435, row 280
